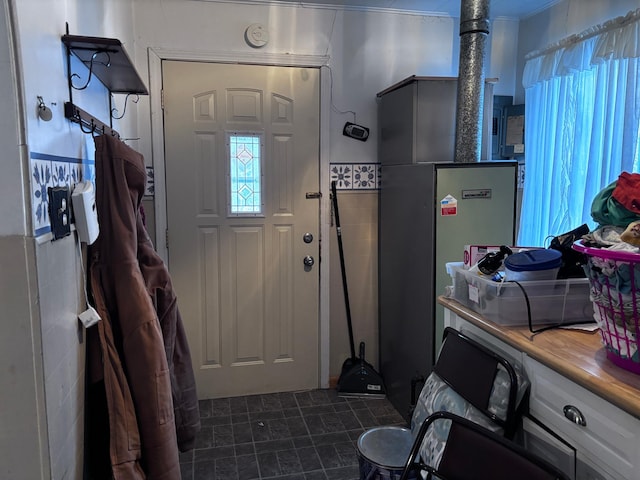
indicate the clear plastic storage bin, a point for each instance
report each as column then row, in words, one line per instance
column 505, row 303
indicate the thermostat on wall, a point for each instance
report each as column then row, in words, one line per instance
column 355, row 131
column 256, row 35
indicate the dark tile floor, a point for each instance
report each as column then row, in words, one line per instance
column 308, row 435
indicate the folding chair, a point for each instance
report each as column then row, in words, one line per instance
column 469, row 380
column 472, row 452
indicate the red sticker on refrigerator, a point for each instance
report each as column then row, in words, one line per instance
column 448, row 206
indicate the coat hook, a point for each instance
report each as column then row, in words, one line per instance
column 44, row 112
column 91, row 125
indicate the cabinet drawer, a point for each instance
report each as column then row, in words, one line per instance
column 610, row 437
column 539, row 441
column 586, row 469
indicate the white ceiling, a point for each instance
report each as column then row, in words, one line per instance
column 497, row 8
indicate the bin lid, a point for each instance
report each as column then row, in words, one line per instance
column 533, row 260
column 387, row 446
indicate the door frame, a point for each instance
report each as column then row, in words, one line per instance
column 155, row 57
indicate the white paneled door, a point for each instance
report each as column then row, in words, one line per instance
column 242, row 155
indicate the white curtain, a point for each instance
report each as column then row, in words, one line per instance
column 582, row 99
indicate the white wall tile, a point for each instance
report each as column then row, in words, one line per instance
column 63, row 347
column 66, row 465
column 23, row 450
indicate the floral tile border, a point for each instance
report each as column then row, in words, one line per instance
column 150, row 189
column 41, row 176
column 355, row 176
column 52, row 171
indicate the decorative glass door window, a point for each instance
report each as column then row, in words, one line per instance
column 245, row 173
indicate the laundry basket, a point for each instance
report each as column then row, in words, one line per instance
column 614, row 277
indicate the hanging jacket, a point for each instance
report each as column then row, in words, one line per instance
column 142, row 433
column 183, row 385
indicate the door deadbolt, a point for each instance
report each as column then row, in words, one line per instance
column 307, row 238
column 308, row 261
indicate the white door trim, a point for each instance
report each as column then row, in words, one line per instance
column 156, row 56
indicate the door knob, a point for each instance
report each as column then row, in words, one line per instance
column 307, row 238
column 308, row 261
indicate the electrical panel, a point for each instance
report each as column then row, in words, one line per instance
column 512, row 141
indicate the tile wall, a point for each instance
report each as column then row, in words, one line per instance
column 63, row 351
column 53, row 171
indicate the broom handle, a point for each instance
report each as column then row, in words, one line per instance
column 342, row 269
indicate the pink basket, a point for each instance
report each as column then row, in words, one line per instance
column 614, row 277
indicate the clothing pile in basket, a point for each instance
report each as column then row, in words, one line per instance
column 615, row 279
column 616, row 209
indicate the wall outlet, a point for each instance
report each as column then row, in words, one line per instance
column 59, row 211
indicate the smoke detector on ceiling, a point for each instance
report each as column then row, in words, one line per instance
column 256, row 35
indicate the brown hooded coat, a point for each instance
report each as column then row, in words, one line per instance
column 130, row 354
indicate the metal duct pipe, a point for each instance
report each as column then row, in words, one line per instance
column 474, row 29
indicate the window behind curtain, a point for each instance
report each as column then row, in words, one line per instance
column 582, row 127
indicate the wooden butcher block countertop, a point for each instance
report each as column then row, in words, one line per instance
column 577, row 355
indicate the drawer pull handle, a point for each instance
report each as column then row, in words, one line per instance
column 575, row 415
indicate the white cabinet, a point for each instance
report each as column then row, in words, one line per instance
column 606, row 439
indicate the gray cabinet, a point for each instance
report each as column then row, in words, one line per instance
column 418, row 231
column 417, row 120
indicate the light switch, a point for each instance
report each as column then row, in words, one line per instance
column 59, row 211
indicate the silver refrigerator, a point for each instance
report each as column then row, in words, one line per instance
column 428, row 213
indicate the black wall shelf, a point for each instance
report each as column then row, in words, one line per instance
column 106, row 59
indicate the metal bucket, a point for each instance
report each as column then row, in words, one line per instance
column 382, row 453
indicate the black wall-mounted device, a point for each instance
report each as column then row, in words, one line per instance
column 59, row 211
column 355, row 131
